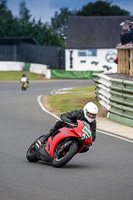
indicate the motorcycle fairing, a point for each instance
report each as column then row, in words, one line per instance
column 66, row 133
column 51, row 144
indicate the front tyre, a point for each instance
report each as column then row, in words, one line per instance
column 31, row 154
column 60, row 158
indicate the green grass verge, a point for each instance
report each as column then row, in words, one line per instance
column 74, row 100
column 15, row 76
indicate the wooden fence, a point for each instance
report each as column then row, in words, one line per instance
column 125, row 60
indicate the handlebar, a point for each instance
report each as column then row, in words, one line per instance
column 71, row 124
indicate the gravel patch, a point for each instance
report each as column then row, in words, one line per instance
column 120, row 76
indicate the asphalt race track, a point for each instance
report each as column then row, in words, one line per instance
column 103, row 173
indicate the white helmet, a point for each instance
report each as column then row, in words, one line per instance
column 90, row 111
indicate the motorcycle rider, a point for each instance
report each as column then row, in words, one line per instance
column 88, row 114
column 27, row 80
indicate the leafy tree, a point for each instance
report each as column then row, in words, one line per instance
column 5, row 17
column 4, row 12
column 60, row 21
column 101, row 8
column 24, row 12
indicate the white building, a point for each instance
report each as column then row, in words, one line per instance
column 91, row 43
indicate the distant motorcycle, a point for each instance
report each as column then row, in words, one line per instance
column 60, row 150
column 24, row 83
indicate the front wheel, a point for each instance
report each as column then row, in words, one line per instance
column 62, row 157
column 31, row 154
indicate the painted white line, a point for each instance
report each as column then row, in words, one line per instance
column 44, row 109
column 116, row 136
column 105, row 133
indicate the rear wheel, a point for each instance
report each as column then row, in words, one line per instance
column 62, row 157
column 22, row 86
column 31, row 154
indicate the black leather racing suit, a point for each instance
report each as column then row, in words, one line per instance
column 72, row 117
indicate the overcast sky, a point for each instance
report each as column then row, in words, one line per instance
column 45, row 9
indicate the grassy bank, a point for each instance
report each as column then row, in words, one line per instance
column 75, row 99
column 15, row 76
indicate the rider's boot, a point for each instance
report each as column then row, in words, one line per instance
column 42, row 140
column 45, row 137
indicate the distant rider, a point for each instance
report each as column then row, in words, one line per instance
column 24, row 77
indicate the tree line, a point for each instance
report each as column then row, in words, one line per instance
column 53, row 33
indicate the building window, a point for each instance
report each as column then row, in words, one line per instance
column 87, row 52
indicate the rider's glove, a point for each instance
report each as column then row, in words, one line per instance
column 67, row 121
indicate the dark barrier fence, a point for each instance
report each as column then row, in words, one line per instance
column 52, row 56
column 7, row 53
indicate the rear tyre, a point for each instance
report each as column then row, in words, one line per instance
column 22, row 87
column 31, row 154
column 60, row 158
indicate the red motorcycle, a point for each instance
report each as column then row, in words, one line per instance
column 60, row 150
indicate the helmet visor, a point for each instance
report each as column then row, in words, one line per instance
column 90, row 115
